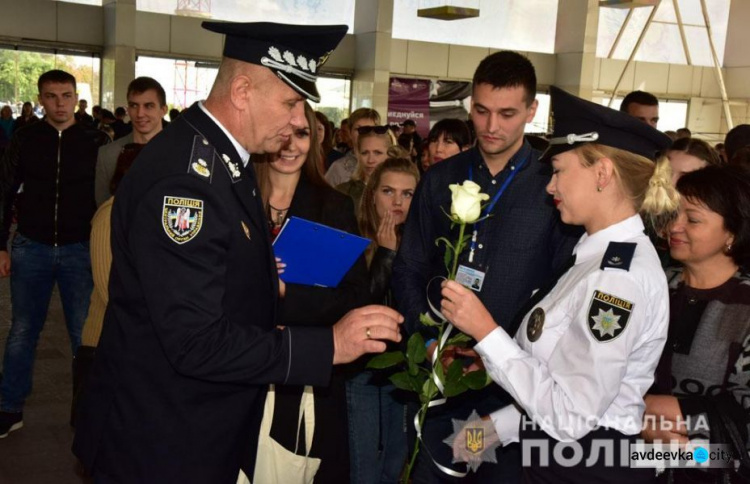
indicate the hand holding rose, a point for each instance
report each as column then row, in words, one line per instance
column 464, row 309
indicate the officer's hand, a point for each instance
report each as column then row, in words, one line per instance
column 364, row 330
column 4, row 263
column 471, row 359
column 464, row 309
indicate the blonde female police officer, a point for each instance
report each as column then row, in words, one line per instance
column 587, row 345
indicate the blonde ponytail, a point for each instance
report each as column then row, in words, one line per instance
column 662, row 198
column 647, row 184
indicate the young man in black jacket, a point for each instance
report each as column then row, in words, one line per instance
column 55, row 161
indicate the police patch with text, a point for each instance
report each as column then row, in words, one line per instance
column 182, row 218
column 608, row 316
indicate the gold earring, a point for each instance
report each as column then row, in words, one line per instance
column 598, row 189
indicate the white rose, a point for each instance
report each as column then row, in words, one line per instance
column 466, row 201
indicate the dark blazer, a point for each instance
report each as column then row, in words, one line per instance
column 189, row 342
column 314, row 305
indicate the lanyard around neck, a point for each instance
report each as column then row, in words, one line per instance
column 491, row 206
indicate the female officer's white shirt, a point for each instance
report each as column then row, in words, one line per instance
column 569, row 381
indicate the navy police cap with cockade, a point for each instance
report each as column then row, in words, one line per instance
column 294, row 52
column 577, row 121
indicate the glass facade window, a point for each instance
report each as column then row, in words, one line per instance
column 527, row 26
column 20, row 70
column 282, row 11
column 334, row 98
column 186, row 82
column 672, row 113
column 663, row 42
column 97, row 3
column 540, row 123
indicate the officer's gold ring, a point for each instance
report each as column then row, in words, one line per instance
column 367, row 333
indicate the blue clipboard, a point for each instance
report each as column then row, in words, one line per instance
column 316, row 254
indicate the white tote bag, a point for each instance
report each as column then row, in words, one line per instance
column 276, row 465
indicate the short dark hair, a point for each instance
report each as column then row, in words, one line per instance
column 452, row 129
column 698, row 148
column 56, row 76
column 724, row 189
column 684, row 133
column 736, row 138
column 638, row 97
column 142, row 84
column 507, row 69
column 120, row 111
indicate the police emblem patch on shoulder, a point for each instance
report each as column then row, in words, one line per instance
column 182, row 218
column 608, row 316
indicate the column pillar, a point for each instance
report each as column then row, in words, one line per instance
column 575, row 46
column 373, row 21
column 118, row 61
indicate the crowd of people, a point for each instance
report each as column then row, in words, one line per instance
column 610, row 277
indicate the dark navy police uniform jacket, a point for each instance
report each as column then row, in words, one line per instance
column 189, row 340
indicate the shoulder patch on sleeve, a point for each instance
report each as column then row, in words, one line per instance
column 182, row 218
column 201, row 163
column 619, row 255
column 608, row 316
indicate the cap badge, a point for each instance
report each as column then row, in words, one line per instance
column 286, row 62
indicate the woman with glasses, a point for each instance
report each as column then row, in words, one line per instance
column 372, row 148
column 291, row 185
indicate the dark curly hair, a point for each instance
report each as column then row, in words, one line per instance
column 724, row 189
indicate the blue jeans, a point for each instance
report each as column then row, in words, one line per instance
column 377, row 431
column 35, row 268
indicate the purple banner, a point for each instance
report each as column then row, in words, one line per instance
column 427, row 101
column 410, row 99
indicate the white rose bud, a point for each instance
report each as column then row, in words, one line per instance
column 466, row 203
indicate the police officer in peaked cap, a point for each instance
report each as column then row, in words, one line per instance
column 190, row 343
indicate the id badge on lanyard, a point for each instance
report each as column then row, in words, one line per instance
column 469, row 274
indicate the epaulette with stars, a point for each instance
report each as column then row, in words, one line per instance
column 201, row 162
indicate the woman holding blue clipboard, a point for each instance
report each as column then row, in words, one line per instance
column 291, row 185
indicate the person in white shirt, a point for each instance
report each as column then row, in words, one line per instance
column 588, row 343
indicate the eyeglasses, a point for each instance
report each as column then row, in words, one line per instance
column 369, row 129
